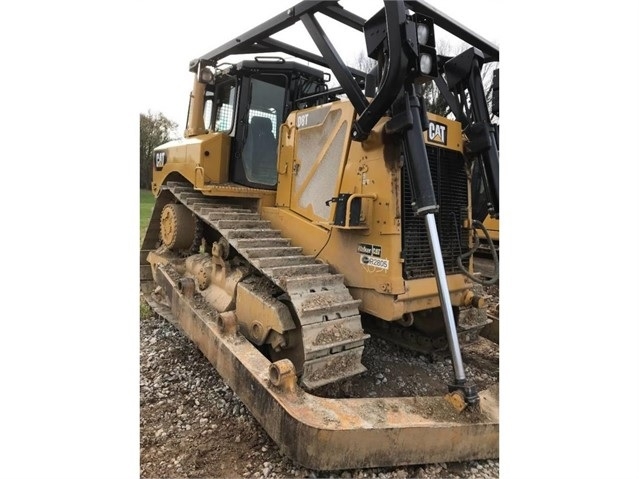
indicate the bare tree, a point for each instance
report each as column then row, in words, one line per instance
column 435, row 100
column 363, row 62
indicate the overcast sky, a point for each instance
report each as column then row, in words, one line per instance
column 220, row 21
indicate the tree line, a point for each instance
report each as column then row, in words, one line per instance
column 155, row 129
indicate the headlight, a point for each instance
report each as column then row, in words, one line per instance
column 425, row 64
column 422, row 34
column 206, row 75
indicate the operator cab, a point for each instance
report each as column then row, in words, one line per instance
column 249, row 101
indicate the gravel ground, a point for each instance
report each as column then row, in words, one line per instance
column 193, row 425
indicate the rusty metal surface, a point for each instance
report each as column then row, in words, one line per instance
column 329, row 434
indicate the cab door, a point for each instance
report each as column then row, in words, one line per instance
column 260, row 115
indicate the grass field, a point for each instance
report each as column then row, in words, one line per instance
column 147, row 200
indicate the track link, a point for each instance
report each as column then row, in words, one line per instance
column 329, row 317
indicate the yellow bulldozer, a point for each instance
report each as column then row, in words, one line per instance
column 294, row 220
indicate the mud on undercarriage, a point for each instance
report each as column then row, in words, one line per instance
column 329, row 432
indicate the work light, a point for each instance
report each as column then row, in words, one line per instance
column 425, row 64
column 205, row 75
column 422, row 34
column 422, row 28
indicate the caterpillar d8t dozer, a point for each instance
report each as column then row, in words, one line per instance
column 294, row 220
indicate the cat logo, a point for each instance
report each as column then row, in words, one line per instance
column 437, row 132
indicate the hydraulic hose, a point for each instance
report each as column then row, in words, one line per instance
column 493, row 251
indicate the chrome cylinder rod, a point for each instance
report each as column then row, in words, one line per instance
column 444, row 298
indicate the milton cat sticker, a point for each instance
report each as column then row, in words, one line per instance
column 369, row 249
column 370, row 258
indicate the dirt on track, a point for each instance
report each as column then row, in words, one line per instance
column 193, row 425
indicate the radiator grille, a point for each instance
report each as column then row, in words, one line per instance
column 451, row 190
